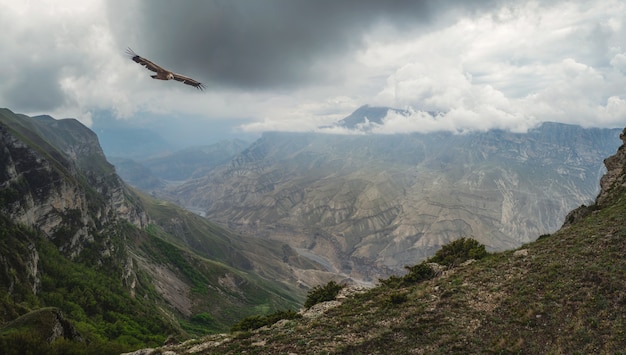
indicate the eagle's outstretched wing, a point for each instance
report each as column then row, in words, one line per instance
column 143, row 61
column 189, row 81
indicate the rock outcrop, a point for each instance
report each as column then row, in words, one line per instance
column 615, row 178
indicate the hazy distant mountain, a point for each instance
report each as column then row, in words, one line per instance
column 365, row 114
column 135, row 143
column 136, row 174
column 370, row 114
column 152, row 135
column 194, row 161
column 155, row 173
column 369, row 204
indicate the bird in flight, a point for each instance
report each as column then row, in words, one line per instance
column 162, row 73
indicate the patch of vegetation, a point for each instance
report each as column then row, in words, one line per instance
column 257, row 321
column 92, row 298
column 324, row 293
column 27, row 342
column 176, row 257
column 459, row 251
column 397, row 298
column 417, row 273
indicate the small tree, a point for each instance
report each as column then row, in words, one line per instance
column 322, row 294
column 458, row 251
column 418, row 273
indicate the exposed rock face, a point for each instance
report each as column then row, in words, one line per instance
column 368, row 205
column 615, row 176
column 61, row 327
column 64, row 188
column 37, row 190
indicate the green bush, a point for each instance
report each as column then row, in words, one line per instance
column 458, row 251
column 417, row 273
column 392, row 282
column 397, row 298
column 257, row 321
column 322, row 294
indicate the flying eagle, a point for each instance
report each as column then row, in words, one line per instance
column 162, row 73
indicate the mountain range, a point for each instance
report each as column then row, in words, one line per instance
column 366, row 205
column 563, row 293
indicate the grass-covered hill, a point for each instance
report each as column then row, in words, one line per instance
column 562, row 294
column 89, row 265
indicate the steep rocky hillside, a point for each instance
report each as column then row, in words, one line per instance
column 126, row 270
column 562, row 294
column 366, row 205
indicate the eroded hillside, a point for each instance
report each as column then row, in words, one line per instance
column 367, row 205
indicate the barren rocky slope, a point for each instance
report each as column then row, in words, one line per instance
column 366, row 205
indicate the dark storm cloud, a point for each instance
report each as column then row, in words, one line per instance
column 35, row 89
column 260, row 44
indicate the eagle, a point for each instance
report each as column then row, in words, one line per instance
column 162, row 73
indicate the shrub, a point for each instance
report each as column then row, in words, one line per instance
column 543, row 236
column 322, row 294
column 418, row 273
column 458, row 251
column 257, row 321
column 249, row 323
column 397, row 298
column 393, row 281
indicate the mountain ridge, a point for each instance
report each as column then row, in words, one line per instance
column 353, row 199
column 127, row 270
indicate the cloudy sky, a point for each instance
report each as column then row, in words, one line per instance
column 299, row 65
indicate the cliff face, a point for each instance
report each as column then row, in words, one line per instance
column 611, row 183
column 67, row 190
column 615, row 177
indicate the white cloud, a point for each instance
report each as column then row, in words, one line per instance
column 508, row 67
